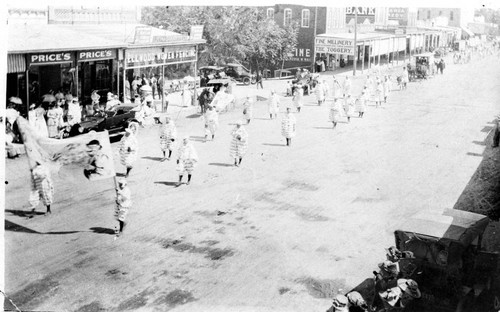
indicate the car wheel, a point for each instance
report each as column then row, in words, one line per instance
column 246, row 81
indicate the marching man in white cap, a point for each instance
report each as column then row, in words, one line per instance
column 168, row 135
column 123, row 204
column 288, row 126
column 129, row 147
column 186, row 160
column 239, row 143
column 274, row 104
column 211, row 122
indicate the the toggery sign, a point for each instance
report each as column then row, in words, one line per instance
column 335, row 46
column 50, row 58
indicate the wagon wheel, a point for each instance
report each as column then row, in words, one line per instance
column 246, row 81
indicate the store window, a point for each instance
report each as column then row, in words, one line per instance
column 305, row 18
column 270, row 13
column 96, row 75
column 287, row 17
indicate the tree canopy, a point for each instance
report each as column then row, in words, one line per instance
column 242, row 34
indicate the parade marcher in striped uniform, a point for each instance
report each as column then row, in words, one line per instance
column 123, row 204
column 326, row 89
column 361, row 102
column 298, row 96
column 386, row 85
column 347, row 86
column 337, row 88
column 168, row 135
column 248, row 108
column 379, row 94
column 274, row 104
column 41, row 187
column 129, row 147
column 211, row 122
column 186, row 160
column 334, row 113
column 239, row 143
column 349, row 107
column 320, row 93
column 288, row 126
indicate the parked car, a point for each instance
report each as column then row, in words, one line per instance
column 452, row 270
column 239, row 73
column 115, row 121
column 207, row 73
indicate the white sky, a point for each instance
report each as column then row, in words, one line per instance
column 332, row 3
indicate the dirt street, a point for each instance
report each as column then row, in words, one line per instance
column 285, row 231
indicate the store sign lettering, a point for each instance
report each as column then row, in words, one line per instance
column 45, row 58
column 302, row 53
column 160, row 57
column 398, row 13
column 335, row 46
column 366, row 11
column 96, row 55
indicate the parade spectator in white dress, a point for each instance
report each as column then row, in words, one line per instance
column 239, row 143
column 288, row 126
column 379, row 94
column 186, row 160
column 361, row 103
column 386, row 85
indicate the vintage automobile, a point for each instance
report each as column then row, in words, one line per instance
column 422, row 67
column 115, row 121
column 239, row 73
column 209, row 72
column 452, row 270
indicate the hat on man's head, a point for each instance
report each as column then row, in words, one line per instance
column 389, row 267
column 94, row 142
column 409, row 287
column 15, row 100
column 149, row 98
column 340, row 303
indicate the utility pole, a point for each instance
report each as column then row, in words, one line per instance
column 314, row 44
column 355, row 41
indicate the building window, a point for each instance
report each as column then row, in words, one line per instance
column 429, row 14
column 451, row 15
column 270, row 13
column 305, row 18
column 287, row 17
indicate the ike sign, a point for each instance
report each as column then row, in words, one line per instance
column 335, row 46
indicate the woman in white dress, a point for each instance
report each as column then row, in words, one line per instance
column 334, row 111
column 298, row 96
column 274, row 104
column 248, row 108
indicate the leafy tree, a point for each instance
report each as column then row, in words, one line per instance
column 232, row 33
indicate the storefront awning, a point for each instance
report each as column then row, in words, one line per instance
column 16, row 63
column 50, row 38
